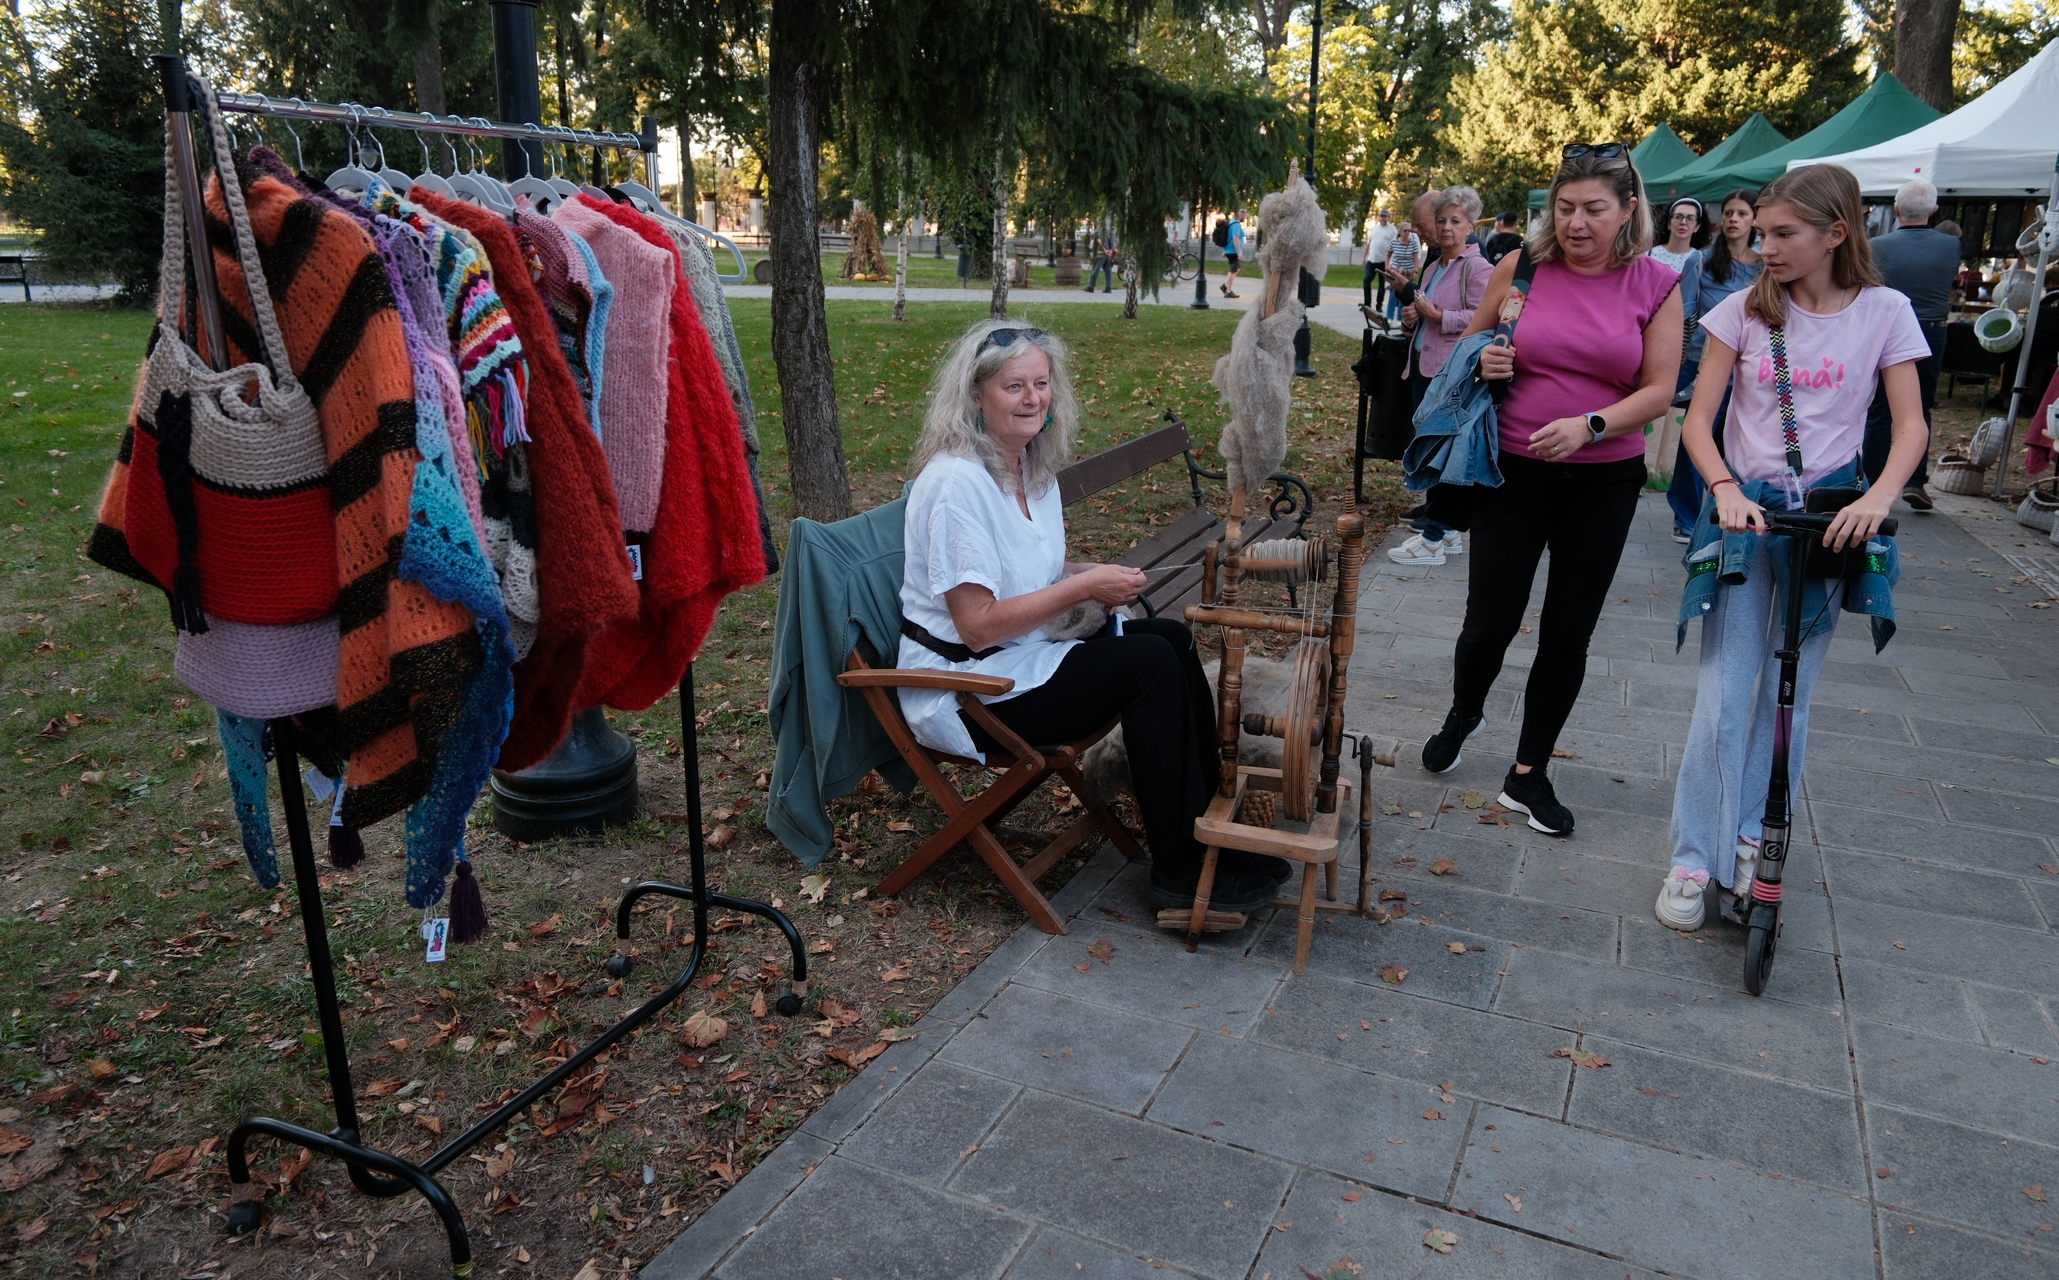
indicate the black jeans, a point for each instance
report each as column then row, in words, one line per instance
column 1880, row 424
column 1150, row 676
column 1375, row 279
column 1581, row 511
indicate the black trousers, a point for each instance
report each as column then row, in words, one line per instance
column 1151, row 676
column 1581, row 512
column 1880, row 420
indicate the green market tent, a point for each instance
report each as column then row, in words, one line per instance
column 1886, row 110
column 1662, row 151
column 1755, row 138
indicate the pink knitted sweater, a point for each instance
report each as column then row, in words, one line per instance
column 632, row 425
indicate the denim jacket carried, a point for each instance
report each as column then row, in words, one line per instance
column 1717, row 559
column 1457, row 438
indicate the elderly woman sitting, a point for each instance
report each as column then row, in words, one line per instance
column 987, row 581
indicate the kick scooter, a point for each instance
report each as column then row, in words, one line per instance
column 1804, row 530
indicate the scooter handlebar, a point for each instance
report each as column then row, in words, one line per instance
column 1817, row 522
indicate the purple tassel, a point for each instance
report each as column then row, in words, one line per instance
column 467, row 908
column 346, row 847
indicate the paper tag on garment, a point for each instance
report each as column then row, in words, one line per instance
column 635, row 560
column 437, row 932
column 321, row 784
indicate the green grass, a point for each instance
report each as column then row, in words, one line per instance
column 119, row 857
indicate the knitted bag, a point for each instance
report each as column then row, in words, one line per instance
column 220, row 493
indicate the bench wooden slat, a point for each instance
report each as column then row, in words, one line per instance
column 1193, row 530
column 1092, row 475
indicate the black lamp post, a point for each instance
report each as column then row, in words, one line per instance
column 1311, row 288
column 1200, row 302
column 516, row 83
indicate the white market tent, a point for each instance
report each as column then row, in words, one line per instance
column 2004, row 143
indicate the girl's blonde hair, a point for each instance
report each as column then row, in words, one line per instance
column 952, row 423
column 1622, row 176
column 1821, row 195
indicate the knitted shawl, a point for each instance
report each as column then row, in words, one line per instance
column 632, row 421
column 581, row 567
column 699, row 552
column 603, row 294
column 564, row 291
column 404, row 657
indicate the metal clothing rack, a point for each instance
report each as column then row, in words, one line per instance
column 372, row 1171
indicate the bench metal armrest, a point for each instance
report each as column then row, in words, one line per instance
column 951, row 681
column 1283, row 505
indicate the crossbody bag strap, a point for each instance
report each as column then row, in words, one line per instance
column 1511, row 311
column 1790, row 434
column 274, row 354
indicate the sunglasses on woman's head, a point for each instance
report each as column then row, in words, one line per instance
column 1006, row 338
column 1601, row 150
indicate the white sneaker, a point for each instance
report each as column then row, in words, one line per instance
column 1417, row 551
column 1454, row 543
column 1741, row 879
column 1680, row 899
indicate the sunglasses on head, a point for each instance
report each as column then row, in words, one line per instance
column 1006, row 338
column 1600, row 150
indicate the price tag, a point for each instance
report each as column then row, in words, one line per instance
column 436, row 932
column 635, row 560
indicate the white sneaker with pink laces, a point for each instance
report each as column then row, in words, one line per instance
column 1680, row 899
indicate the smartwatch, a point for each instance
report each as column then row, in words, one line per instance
column 1598, row 425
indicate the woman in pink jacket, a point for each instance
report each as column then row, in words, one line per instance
column 1444, row 302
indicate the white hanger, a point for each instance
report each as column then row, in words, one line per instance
column 351, row 177
column 429, row 178
column 474, row 186
column 566, row 190
column 391, row 176
column 541, row 193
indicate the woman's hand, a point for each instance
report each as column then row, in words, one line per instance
column 1855, row 524
column 1427, row 309
column 1111, row 584
column 1410, row 316
column 1559, row 440
column 1737, row 513
column 1497, row 362
column 1396, row 278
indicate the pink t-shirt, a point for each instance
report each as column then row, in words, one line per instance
column 1834, row 362
column 1579, row 345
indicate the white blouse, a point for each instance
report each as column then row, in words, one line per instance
column 962, row 527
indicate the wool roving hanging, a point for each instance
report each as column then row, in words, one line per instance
column 1256, row 377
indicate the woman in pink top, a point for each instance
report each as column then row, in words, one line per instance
column 1595, row 356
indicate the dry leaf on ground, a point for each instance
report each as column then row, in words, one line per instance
column 1440, row 1240
column 1515, row 1202
column 1393, row 973
column 169, row 1162
column 1102, row 950
column 1581, row 1058
column 1443, row 867
column 702, row 1030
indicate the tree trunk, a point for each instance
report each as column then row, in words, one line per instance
column 689, row 194
column 998, row 308
column 429, row 63
column 1923, row 48
column 800, row 330
column 901, row 257
column 1129, row 289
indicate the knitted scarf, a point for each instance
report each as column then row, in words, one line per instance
column 582, row 569
column 603, row 294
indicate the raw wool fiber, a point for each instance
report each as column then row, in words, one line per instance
column 865, row 257
column 1256, row 377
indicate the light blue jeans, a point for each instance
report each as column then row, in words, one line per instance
column 1721, row 791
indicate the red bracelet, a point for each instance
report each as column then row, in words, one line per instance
column 1726, row 480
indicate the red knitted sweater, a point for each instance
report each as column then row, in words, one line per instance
column 582, row 570
column 703, row 545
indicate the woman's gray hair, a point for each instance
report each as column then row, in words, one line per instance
column 1464, row 197
column 952, row 422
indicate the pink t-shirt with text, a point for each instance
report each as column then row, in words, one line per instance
column 1834, row 362
column 1579, row 345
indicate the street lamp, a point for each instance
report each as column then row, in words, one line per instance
column 1311, row 288
column 1200, row 302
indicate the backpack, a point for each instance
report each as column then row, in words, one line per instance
column 1221, row 235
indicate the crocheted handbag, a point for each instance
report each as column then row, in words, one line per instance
column 223, row 477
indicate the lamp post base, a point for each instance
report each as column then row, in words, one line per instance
column 587, row 784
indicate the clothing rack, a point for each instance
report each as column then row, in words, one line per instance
column 375, row 1172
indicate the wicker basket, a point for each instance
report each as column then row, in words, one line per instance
column 1953, row 473
column 2040, row 509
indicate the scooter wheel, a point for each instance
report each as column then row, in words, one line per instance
column 619, row 966
column 1758, row 958
column 244, row 1217
column 789, row 1004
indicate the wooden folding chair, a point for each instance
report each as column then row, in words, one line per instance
column 1020, row 767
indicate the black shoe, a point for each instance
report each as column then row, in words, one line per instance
column 1440, row 753
column 1918, row 498
column 1234, row 890
column 1257, row 867
column 1530, row 793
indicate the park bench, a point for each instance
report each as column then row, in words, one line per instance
column 14, row 269
column 1172, row 555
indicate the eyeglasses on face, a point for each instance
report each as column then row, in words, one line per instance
column 1600, row 150
column 1005, row 338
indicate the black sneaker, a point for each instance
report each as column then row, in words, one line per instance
column 1257, row 866
column 1235, row 889
column 1440, row 753
column 1530, row 793
column 1918, row 498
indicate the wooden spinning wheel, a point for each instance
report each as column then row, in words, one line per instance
column 1299, row 728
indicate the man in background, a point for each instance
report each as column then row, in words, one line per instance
column 1923, row 264
column 1379, row 242
column 1233, row 253
column 1507, row 237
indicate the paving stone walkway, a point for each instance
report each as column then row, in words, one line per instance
column 1890, row 1108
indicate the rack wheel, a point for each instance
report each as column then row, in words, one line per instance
column 789, row 1005
column 243, row 1216
column 619, row 966
column 1758, row 956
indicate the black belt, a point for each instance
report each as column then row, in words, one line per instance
column 950, row 650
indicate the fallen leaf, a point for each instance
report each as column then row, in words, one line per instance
column 900, row 826
column 702, row 1030
column 2036, row 1192
column 1581, row 1058
column 1436, row 1238
column 1352, row 1196
column 1390, row 809
column 591, row 1271
column 899, row 973
column 1102, row 950
column 1455, row 948
column 1473, row 800
column 385, row 1088
column 1515, row 1202
column 100, row 1068
column 546, row 927
column 12, row 1141
column 858, row 1058
column 1433, row 1114
column 293, row 1164
column 522, row 1255
column 1882, row 1172
column 169, row 1162
column 720, row 837
column 814, row 887
column 1393, row 973
column 1394, row 895
column 1443, row 867
column 1561, row 753
column 758, row 1009
column 16, row 1174
column 433, row 1124
column 894, row 1035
